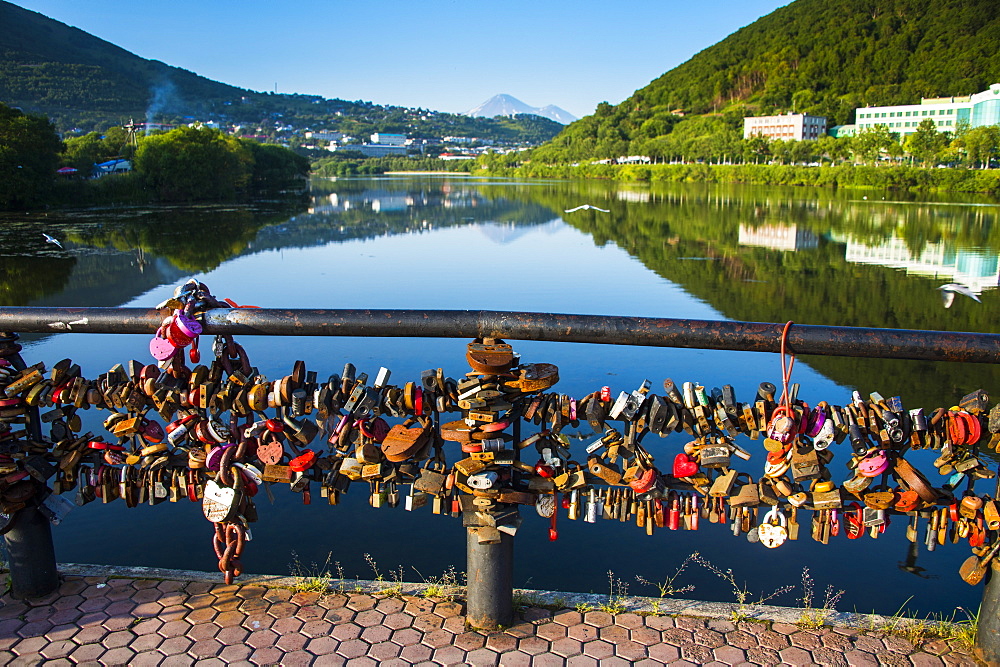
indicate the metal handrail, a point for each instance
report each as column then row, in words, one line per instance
column 33, row 569
column 605, row 329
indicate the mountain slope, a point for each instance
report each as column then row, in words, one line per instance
column 54, row 69
column 557, row 114
column 83, row 82
column 825, row 57
column 508, row 105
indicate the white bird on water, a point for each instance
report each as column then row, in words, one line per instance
column 587, row 207
column 949, row 291
column 52, row 240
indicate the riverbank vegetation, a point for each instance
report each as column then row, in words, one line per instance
column 185, row 164
column 847, row 176
column 344, row 163
column 714, row 151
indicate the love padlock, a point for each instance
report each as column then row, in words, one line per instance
column 773, row 529
column 874, row 464
column 826, row 435
column 782, row 425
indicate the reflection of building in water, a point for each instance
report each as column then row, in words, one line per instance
column 778, row 237
column 969, row 266
column 634, row 196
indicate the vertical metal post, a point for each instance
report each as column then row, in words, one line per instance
column 490, row 589
column 32, row 555
column 29, row 543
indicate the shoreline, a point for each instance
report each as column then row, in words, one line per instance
column 427, row 173
column 535, row 597
column 116, row 620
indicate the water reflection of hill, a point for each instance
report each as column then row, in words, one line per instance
column 369, row 213
column 693, row 240
column 755, row 254
column 113, row 255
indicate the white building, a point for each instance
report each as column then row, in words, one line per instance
column 946, row 112
column 388, row 139
column 325, row 136
column 797, row 126
column 372, row 150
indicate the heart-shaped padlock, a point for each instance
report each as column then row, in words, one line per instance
column 684, row 465
column 773, row 530
column 219, row 503
column 270, row 451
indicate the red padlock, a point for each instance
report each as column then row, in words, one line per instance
column 543, row 470
column 674, row 515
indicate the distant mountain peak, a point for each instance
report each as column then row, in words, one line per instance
column 508, row 105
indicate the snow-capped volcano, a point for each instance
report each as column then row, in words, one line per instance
column 507, row 105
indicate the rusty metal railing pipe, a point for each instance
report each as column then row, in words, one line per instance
column 603, row 329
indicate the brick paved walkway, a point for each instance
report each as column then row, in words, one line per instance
column 115, row 621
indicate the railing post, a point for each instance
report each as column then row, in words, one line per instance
column 32, row 555
column 490, row 585
column 29, row 543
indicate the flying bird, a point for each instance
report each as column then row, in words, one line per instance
column 52, row 240
column 587, row 207
column 949, row 291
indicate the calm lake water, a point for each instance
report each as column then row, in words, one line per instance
column 683, row 251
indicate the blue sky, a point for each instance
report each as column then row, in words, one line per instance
column 448, row 56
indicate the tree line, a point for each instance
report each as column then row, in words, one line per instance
column 184, row 164
column 718, row 140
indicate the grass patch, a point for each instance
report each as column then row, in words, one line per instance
column 448, row 586
column 668, row 587
column 316, row 578
column 931, row 627
column 816, row 617
column 393, row 589
column 617, row 595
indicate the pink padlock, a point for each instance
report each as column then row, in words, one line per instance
column 874, row 465
column 161, row 348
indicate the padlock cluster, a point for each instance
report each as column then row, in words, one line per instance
column 229, row 432
column 707, row 481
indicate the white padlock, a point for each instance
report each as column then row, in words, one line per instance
column 483, row 480
column 773, row 529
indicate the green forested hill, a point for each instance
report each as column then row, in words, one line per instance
column 824, row 57
column 81, row 81
column 75, row 78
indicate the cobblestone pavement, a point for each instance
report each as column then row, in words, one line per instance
column 113, row 621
